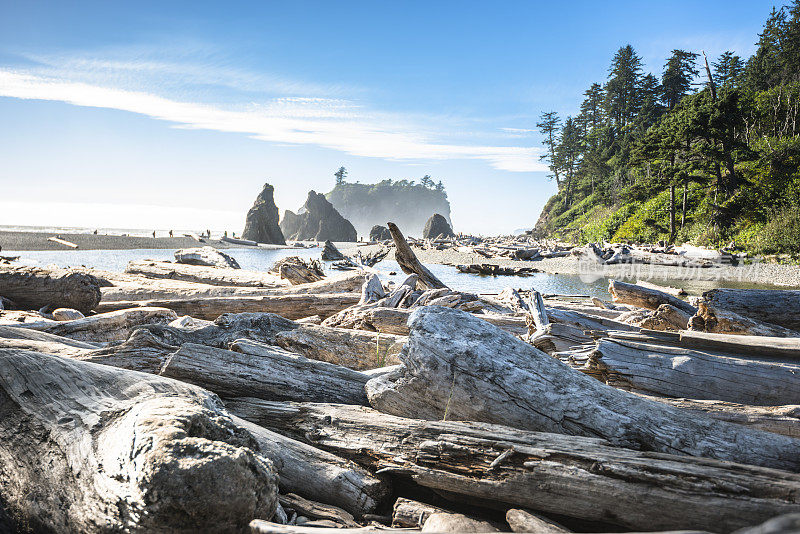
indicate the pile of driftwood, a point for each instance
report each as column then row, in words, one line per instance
column 658, row 254
column 192, row 398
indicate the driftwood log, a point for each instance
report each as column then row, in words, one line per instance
column 111, row 326
column 264, row 372
column 350, row 348
column 579, row 477
column 207, row 257
column 645, row 297
column 89, row 448
column 409, row 263
column 214, row 276
column 289, row 305
column 34, row 288
column 459, row 367
column 525, row 521
column 710, row 318
column 775, row 306
column 679, row 372
column 33, row 340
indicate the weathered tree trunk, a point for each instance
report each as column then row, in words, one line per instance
column 214, row 276
column 524, row 521
column 666, row 317
column 355, row 349
column 206, row 257
column 264, row 372
column 776, row 306
column 584, row 478
column 291, row 306
column 34, row 288
column 111, row 326
column 777, row 419
column 33, row 340
column 412, row 514
column 463, row 368
column 136, row 288
column 645, row 297
column 679, row 372
column 89, row 448
column 457, row 523
column 409, row 263
column 712, row 319
column 317, row 474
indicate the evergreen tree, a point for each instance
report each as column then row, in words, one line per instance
column 728, row 70
column 591, row 115
column 340, row 175
column 568, row 155
column 679, row 72
column 549, row 124
column 622, row 91
column 427, row 182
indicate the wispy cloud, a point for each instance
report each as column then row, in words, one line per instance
column 333, row 123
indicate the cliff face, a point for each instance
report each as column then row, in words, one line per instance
column 261, row 223
column 408, row 206
column 317, row 220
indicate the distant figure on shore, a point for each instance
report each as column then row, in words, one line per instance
column 170, row 233
column 225, row 234
column 154, row 234
column 208, row 234
column 95, row 232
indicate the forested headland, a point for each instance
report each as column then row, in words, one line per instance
column 706, row 151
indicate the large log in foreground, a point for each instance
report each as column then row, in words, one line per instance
column 680, row 372
column 89, row 448
column 110, row 326
column 579, row 477
column 459, row 367
column 291, row 306
column 776, row 306
column 34, row 288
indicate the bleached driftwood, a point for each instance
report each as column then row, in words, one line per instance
column 299, row 271
column 579, row 477
column 525, row 521
column 253, row 369
column 449, row 522
column 33, row 340
column 412, row 514
column 111, row 326
column 214, row 276
column 128, row 452
column 350, row 348
column 409, row 263
column 206, row 257
column 644, row 297
column 710, row 318
column 776, row 306
column 459, row 367
column 289, row 305
column 665, row 317
column 34, row 288
column 679, row 372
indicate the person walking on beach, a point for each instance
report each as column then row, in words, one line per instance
column 154, row 234
column 170, row 233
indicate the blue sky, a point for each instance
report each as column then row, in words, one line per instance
column 172, row 114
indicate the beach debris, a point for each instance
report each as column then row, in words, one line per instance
column 317, row 220
column 207, row 257
column 488, row 269
column 66, row 314
column 261, row 223
column 36, row 287
column 409, row 263
column 299, row 271
column 437, row 227
column 56, row 239
column 331, row 253
column 205, row 275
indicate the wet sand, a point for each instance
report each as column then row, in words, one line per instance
column 20, row 241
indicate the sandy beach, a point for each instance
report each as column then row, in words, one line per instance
column 18, row 241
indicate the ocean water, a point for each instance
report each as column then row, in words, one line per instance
column 263, row 259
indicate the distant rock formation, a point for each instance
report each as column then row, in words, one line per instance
column 261, row 224
column 379, row 233
column 317, row 220
column 437, row 226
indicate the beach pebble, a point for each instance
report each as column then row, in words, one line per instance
column 66, row 314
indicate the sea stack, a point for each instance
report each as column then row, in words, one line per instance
column 261, row 224
column 317, row 220
column 379, row 233
column 437, row 226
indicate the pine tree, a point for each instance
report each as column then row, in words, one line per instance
column 549, row 124
column 568, row 155
column 622, row 91
column 340, row 175
column 679, row 72
column 591, row 115
column 728, row 70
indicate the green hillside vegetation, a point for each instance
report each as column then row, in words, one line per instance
column 708, row 152
column 406, row 203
